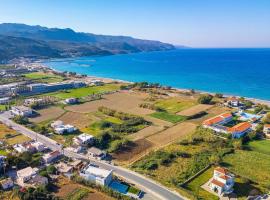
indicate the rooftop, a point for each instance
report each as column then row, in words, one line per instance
column 240, row 127
column 90, row 169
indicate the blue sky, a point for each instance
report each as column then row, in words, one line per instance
column 195, row 23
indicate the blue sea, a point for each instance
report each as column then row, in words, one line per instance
column 243, row 72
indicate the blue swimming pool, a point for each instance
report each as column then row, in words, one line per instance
column 122, row 188
column 248, row 116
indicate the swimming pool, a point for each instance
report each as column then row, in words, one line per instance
column 122, row 188
column 248, row 116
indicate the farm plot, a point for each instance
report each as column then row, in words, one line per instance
column 194, row 110
column 150, row 130
column 172, row 134
column 119, row 101
column 79, row 120
column 46, row 114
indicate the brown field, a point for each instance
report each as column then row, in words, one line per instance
column 157, row 121
column 65, row 187
column 50, row 113
column 133, row 152
column 126, row 102
column 150, row 130
column 172, row 134
column 79, row 120
column 194, row 110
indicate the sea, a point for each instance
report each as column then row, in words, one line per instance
column 237, row 71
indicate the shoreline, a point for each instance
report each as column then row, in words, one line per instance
column 104, row 79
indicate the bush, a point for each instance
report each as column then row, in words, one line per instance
column 205, row 99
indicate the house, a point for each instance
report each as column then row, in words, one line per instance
column 77, row 164
column 64, row 168
column 83, row 139
column 266, row 130
column 36, row 181
column 71, row 100
column 39, row 146
column 233, row 101
column 21, row 111
column 218, row 120
column 31, row 101
column 222, row 181
column 25, row 175
column 56, row 124
column 98, row 175
column 96, row 153
column 51, row 157
column 4, row 100
column 6, row 183
column 60, row 128
column 96, row 82
column 25, row 147
column 240, row 129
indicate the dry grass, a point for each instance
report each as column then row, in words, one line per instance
column 172, row 134
column 150, row 130
column 194, row 110
column 78, row 120
column 50, row 113
column 119, row 101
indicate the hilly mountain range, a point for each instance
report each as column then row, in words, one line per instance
column 21, row 40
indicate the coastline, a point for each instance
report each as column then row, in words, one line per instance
column 107, row 80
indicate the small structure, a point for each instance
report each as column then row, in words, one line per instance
column 6, row 183
column 96, row 153
column 60, row 128
column 51, row 157
column 83, row 139
column 71, row 100
column 31, row 101
column 222, row 181
column 97, row 175
column 64, row 168
column 21, row 111
column 25, row 175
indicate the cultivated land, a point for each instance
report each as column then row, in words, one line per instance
column 262, row 146
column 194, row 110
column 47, row 114
column 43, row 77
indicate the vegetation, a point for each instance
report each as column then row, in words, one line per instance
column 35, row 193
column 266, row 119
column 43, row 77
column 205, row 99
column 168, row 117
column 21, row 120
column 173, row 105
column 24, row 159
column 78, row 194
column 262, row 146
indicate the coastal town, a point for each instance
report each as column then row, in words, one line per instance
column 114, row 139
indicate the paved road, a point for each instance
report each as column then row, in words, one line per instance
column 153, row 190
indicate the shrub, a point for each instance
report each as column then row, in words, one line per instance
column 205, row 99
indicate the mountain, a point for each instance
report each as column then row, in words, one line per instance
column 42, row 42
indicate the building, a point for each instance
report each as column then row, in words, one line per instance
column 84, row 139
column 71, row 101
column 218, row 120
column 266, row 130
column 234, row 102
column 25, row 175
column 51, row 157
column 99, row 176
column 6, row 183
column 36, row 181
column 64, row 168
column 2, row 161
column 96, row 153
column 38, row 146
column 21, row 111
column 60, row 128
column 240, row 129
column 4, row 100
column 31, row 101
column 96, row 82
column 222, row 181
column 25, row 147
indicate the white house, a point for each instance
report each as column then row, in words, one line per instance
column 51, row 157
column 60, row 128
column 222, row 181
column 39, row 146
column 71, row 100
column 96, row 82
column 7, row 183
column 233, row 101
column 4, row 100
column 64, row 168
column 83, row 139
column 266, row 130
column 97, row 175
column 25, row 147
column 21, row 111
column 56, row 124
column 25, row 175
column 96, row 153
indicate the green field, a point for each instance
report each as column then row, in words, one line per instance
column 43, row 77
column 83, row 92
column 174, row 105
column 168, row 117
column 2, row 107
column 262, row 146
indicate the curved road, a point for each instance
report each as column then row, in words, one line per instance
column 155, row 189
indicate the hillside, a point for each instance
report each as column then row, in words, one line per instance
column 42, row 42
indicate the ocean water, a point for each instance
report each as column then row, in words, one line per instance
column 243, row 72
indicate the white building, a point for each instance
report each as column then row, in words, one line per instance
column 25, row 147
column 6, row 183
column 4, row 100
column 222, row 181
column 21, row 111
column 97, row 175
column 60, row 128
column 266, row 130
column 51, row 157
column 83, row 139
column 96, row 153
column 25, row 175
column 39, row 146
column 71, row 100
column 96, row 82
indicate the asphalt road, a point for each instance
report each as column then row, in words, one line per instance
column 153, row 189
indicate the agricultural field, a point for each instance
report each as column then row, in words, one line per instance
column 10, row 136
column 261, row 146
column 84, row 92
column 194, row 110
column 43, row 77
column 170, row 117
column 47, row 114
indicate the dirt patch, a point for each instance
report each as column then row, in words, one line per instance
column 48, row 114
column 150, row 130
column 78, row 120
column 119, row 101
column 172, row 134
column 194, row 110
column 158, row 122
column 97, row 196
column 135, row 150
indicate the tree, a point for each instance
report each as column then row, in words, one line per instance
column 219, row 95
column 21, row 120
column 205, row 99
column 266, row 119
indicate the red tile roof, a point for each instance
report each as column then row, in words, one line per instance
column 267, row 125
column 221, row 170
column 213, row 120
column 226, row 115
column 218, row 183
column 241, row 127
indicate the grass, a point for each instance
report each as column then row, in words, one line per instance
column 83, row 92
column 262, row 146
column 250, row 164
column 3, row 152
column 174, row 105
column 133, row 190
column 168, row 117
column 78, row 194
column 44, row 77
column 195, row 185
column 2, row 107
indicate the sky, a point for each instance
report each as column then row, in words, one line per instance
column 194, row 23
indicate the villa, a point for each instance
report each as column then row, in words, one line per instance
column 222, row 181
column 51, row 157
column 234, row 102
column 60, row 128
column 83, row 139
column 21, row 111
column 97, row 175
column 25, row 175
